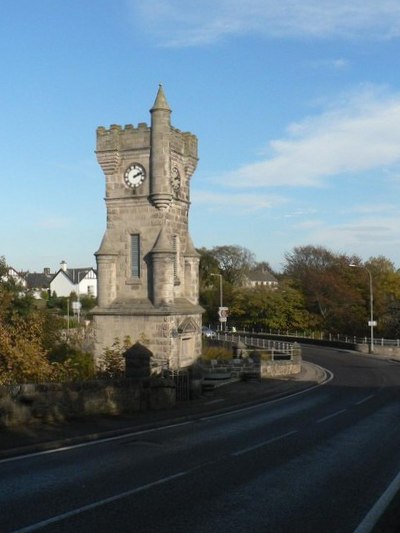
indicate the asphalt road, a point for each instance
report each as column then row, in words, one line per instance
column 320, row 461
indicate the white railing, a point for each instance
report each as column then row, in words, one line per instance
column 258, row 342
column 338, row 337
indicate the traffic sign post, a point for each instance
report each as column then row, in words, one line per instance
column 223, row 314
column 76, row 307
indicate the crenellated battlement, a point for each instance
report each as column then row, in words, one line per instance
column 117, row 128
column 184, row 143
column 118, row 137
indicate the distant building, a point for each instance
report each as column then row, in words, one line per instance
column 261, row 278
column 15, row 276
column 38, row 282
column 82, row 281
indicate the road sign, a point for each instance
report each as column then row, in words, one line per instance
column 223, row 313
column 372, row 323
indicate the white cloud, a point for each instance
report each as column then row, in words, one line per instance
column 241, row 203
column 374, row 208
column 365, row 237
column 358, row 134
column 199, row 22
column 336, row 64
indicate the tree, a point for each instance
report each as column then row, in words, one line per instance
column 327, row 283
column 265, row 308
column 30, row 344
column 386, row 293
column 234, row 262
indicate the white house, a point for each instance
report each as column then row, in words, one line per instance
column 16, row 277
column 82, row 281
column 261, row 278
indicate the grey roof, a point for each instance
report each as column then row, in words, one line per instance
column 262, row 275
column 38, row 281
column 76, row 274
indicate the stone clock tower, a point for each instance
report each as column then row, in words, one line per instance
column 148, row 269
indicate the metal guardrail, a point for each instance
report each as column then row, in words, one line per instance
column 321, row 336
column 258, row 342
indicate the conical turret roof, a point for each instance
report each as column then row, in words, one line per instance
column 190, row 249
column 160, row 101
column 163, row 243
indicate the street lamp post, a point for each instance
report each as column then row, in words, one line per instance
column 372, row 323
column 221, row 303
column 68, row 318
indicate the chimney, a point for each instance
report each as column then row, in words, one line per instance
column 46, row 271
column 63, row 265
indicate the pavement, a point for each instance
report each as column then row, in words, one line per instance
column 224, row 397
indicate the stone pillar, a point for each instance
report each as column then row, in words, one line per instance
column 163, row 278
column 192, row 261
column 160, row 185
column 106, row 275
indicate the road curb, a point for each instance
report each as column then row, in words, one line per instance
column 312, row 376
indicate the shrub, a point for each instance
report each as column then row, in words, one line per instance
column 216, row 352
column 112, row 362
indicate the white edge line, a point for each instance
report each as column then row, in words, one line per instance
column 276, row 400
column 374, row 514
column 91, row 506
column 145, row 431
column 92, row 442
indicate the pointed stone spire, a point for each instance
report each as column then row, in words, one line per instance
column 160, row 101
column 160, row 152
column 163, row 243
column 190, row 249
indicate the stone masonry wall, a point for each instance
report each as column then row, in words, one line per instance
column 55, row 402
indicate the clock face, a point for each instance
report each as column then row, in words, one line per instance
column 134, row 175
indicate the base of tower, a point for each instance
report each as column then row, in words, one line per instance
column 172, row 334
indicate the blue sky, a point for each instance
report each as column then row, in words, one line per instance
column 296, row 105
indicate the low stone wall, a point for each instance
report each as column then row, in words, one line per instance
column 385, row 351
column 56, row 402
column 269, row 369
column 271, row 363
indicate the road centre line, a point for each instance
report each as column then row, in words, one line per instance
column 328, row 417
column 363, row 400
column 99, row 503
column 263, row 443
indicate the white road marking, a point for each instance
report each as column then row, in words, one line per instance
column 336, row 413
column 264, row 443
column 99, row 503
column 365, row 399
column 377, row 510
column 94, row 442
